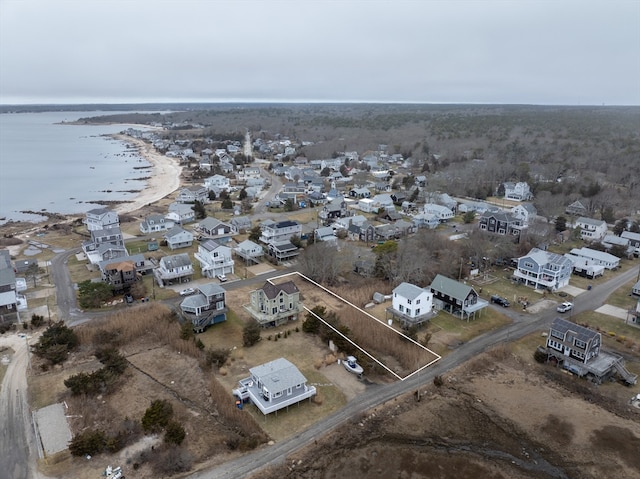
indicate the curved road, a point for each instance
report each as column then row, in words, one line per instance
column 523, row 324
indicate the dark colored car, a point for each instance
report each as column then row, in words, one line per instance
column 500, row 300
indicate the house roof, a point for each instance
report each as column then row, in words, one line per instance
column 194, row 301
column 121, row 266
column 210, row 245
column 591, row 221
column 409, row 291
column 211, row 289
column 580, row 332
column 176, row 260
column 7, row 277
column 175, row 231
column 248, row 245
column 630, row 235
column 449, row 286
column 272, row 290
column 278, row 375
column 595, row 254
column 545, row 257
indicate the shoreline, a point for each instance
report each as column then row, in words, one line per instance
column 164, row 178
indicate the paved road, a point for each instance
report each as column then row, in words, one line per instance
column 65, row 290
column 523, row 324
column 17, row 445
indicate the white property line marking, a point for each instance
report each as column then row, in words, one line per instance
column 437, row 356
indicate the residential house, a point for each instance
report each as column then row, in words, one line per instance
column 544, row 270
column 524, row 214
column 346, row 221
column 421, row 181
column 390, row 215
column 273, row 386
column 273, row 232
column 119, row 274
column 499, row 222
column 248, row 172
column 332, row 210
column 636, row 289
column 572, row 340
column 181, row 213
column 101, row 219
column 359, row 193
column 597, row 257
column 479, row 207
column 411, row 304
column 206, row 307
column 191, row 194
column 217, row 183
column 10, row 300
column 519, row 191
column 590, row 229
column 634, row 241
column 214, row 228
column 577, row 208
column 215, row 259
column 426, row 220
column 155, row 223
column 104, row 244
column 176, row 268
column 585, row 268
column 383, row 201
column 178, row 237
column 326, row 234
column 21, row 266
column 282, row 251
column 275, row 304
column 610, row 241
column 249, row 251
column 456, row 298
column 240, row 224
column 443, row 213
column 579, row 350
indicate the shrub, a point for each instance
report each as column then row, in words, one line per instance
column 37, row 320
column 56, row 342
column 540, row 356
column 186, row 331
column 174, row 433
column 251, row 334
column 172, row 461
column 217, row 357
column 88, row 442
column 157, row 416
column 92, row 295
column 438, row 381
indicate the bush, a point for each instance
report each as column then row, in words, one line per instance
column 56, row 342
column 438, row 381
column 217, row 357
column 88, row 442
column 92, row 295
column 174, row 433
column 157, row 416
column 172, row 461
column 540, row 356
column 37, row 320
column 251, row 334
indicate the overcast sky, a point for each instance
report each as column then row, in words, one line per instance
column 478, row 51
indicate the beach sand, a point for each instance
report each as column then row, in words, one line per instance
column 165, row 176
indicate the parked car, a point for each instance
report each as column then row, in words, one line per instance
column 564, row 307
column 187, row 292
column 221, row 277
column 500, row 300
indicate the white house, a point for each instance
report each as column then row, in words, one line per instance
column 177, row 238
column 426, row 220
column 217, row 182
column 155, row 223
column 411, row 303
column 273, row 232
column 215, row 259
column 249, row 251
column 248, row 172
column 191, row 194
column 274, row 386
column 590, row 229
column 442, row 212
column 345, row 221
column 524, row 213
column 174, row 268
column 181, row 213
column 597, row 257
column 327, row 234
column 102, row 219
column 517, row 191
column 542, row 269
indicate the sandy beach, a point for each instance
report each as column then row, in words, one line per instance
column 165, row 176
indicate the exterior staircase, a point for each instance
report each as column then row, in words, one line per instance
column 626, row 375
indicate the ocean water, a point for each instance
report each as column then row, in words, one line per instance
column 45, row 165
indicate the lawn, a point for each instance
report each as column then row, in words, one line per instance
column 622, row 297
column 79, row 271
column 612, row 329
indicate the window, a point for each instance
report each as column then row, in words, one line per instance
column 408, row 312
column 580, row 344
column 554, row 344
column 557, row 334
column 408, row 301
column 417, row 311
column 417, row 301
column 401, row 308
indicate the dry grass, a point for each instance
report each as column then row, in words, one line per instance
column 154, row 321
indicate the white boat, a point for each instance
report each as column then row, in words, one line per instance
column 351, row 365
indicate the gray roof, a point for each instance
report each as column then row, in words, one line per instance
column 449, row 286
column 176, row 230
column 408, row 290
column 211, row 289
column 595, row 254
column 209, row 223
column 210, row 245
column 278, row 375
column 272, row 290
column 590, row 221
column 581, row 333
column 545, row 257
column 176, row 260
column 631, row 235
column 194, row 301
column 7, row 277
